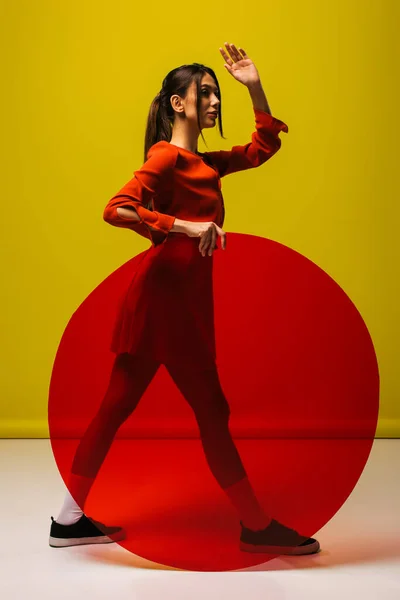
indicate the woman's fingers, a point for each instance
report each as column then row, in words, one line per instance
column 209, row 243
column 212, row 242
column 222, row 235
column 226, row 58
column 205, row 240
column 208, row 240
column 235, row 54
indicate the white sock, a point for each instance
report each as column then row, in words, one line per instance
column 70, row 512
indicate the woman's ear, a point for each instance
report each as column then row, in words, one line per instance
column 176, row 103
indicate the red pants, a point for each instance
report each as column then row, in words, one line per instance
column 129, row 379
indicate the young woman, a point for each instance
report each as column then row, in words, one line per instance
column 174, row 199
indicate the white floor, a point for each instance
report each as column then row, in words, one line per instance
column 360, row 557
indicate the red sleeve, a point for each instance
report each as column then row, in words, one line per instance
column 265, row 142
column 136, row 226
column 148, row 181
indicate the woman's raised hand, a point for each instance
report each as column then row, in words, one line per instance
column 207, row 232
column 239, row 65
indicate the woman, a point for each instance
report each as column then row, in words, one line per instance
column 167, row 314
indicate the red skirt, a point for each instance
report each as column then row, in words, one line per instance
column 167, row 313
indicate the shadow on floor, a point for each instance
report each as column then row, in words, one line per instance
column 334, row 552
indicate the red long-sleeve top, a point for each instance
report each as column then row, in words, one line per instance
column 178, row 183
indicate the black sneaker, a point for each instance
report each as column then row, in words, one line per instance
column 85, row 531
column 277, row 539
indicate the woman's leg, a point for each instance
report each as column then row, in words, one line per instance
column 129, row 379
column 202, row 390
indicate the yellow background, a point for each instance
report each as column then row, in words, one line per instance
column 77, row 84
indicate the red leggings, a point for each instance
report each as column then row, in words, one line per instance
column 202, row 389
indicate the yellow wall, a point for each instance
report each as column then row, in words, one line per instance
column 76, row 90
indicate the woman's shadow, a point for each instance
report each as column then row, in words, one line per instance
column 337, row 549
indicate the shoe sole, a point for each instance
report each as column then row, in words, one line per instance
column 101, row 539
column 293, row 551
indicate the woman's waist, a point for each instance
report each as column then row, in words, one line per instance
column 175, row 237
column 178, row 251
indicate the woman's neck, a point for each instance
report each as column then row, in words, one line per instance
column 183, row 137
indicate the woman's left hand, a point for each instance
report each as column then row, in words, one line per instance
column 240, row 66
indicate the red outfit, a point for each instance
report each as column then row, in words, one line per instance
column 167, row 313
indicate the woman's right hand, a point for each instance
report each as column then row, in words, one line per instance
column 208, row 232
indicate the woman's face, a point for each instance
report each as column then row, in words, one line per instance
column 209, row 94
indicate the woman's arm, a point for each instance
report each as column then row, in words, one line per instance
column 258, row 97
column 265, row 142
column 153, row 176
column 127, row 212
column 130, row 214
